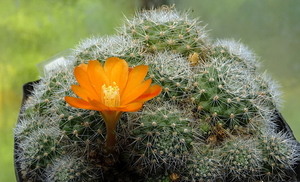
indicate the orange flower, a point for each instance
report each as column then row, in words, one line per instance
column 111, row 90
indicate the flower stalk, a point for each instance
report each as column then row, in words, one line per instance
column 111, row 119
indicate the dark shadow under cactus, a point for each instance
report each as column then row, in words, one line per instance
column 27, row 92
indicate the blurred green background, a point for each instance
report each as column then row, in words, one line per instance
column 34, row 30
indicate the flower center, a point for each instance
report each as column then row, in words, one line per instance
column 111, row 96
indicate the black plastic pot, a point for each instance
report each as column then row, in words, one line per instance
column 27, row 91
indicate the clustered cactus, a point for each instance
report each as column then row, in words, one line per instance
column 213, row 120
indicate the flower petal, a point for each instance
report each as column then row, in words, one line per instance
column 97, row 76
column 135, row 92
column 83, row 66
column 99, row 105
column 135, row 77
column 83, row 80
column 79, row 103
column 132, row 107
column 152, row 92
column 80, row 92
column 117, row 71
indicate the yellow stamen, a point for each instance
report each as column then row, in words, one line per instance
column 111, row 96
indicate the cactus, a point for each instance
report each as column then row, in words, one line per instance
column 213, row 120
